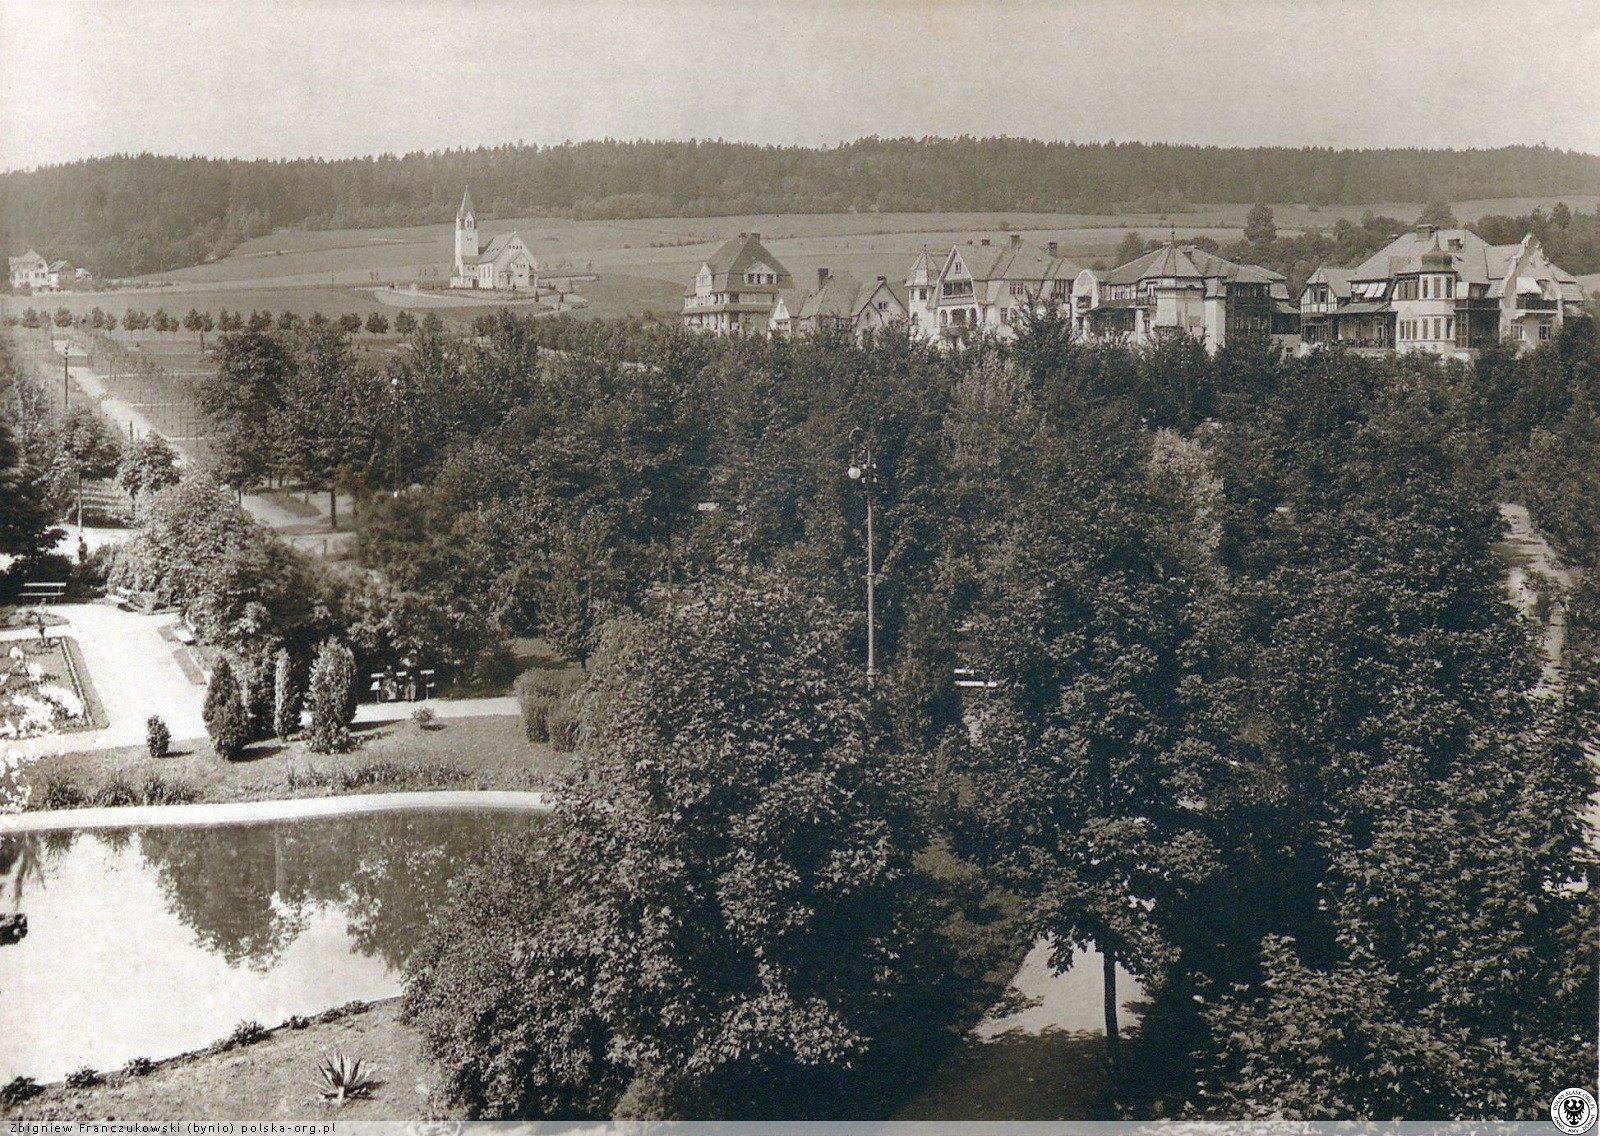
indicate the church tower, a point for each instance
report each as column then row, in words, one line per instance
column 466, row 238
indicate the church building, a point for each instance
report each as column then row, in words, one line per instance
column 505, row 264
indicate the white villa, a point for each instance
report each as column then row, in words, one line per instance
column 1444, row 291
column 30, row 271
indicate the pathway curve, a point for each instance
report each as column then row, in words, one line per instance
column 255, row 812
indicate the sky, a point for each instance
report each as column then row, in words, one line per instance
column 335, row 78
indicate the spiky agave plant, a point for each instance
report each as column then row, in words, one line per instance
column 342, row 1079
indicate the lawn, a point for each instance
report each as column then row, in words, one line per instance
column 273, row 1079
column 454, row 753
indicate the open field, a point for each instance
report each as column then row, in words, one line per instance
column 643, row 264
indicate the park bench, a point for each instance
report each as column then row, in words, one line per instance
column 401, row 686
column 43, row 591
column 129, row 600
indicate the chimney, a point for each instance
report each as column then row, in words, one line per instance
column 755, row 236
column 742, row 236
column 1052, row 247
column 1016, row 239
column 984, row 241
column 883, row 280
column 822, row 277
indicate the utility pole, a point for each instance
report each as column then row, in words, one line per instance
column 864, row 469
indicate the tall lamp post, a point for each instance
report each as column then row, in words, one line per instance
column 394, row 382
column 864, row 470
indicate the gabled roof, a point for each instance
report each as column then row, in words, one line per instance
column 1337, row 280
column 59, row 266
column 870, row 291
column 835, row 299
column 27, row 258
column 1011, row 261
column 499, row 245
column 735, row 256
column 791, row 300
column 466, row 206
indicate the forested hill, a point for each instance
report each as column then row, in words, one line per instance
column 141, row 213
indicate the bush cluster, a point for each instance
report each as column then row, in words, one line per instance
column 542, row 694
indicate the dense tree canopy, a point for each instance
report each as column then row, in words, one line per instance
column 726, row 917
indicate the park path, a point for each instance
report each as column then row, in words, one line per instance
column 441, row 707
column 255, row 812
column 1530, row 555
column 311, row 533
column 134, row 670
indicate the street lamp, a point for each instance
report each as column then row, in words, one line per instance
column 394, row 382
column 864, row 470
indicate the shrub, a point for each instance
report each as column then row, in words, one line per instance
column 245, row 1033
column 286, row 695
column 20, row 1089
column 537, row 693
column 85, row 1078
column 222, row 689
column 297, row 1022
column 158, row 791
column 114, row 792
column 258, row 692
column 60, row 791
column 332, row 698
column 564, row 726
column 138, row 1067
column 157, row 738
column 227, row 720
column 232, row 731
column 424, row 717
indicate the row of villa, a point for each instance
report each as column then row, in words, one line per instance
column 1444, row 291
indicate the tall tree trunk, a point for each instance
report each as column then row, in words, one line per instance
column 80, row 502
column 1108, row 957
column 333, row 507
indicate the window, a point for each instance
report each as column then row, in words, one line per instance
column 1450, row 287
column 1018, row 288
column 1438, row 326
column 1424, row 287
column 883, row 305
column 1449, row 328
column 1544, row 332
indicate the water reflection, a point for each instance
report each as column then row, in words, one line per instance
column 149, row 942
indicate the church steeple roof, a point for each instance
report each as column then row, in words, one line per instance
column 466, row 209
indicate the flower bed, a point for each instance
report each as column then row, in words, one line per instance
column 39, row 691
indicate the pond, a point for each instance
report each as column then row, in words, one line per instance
column 152, row 942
